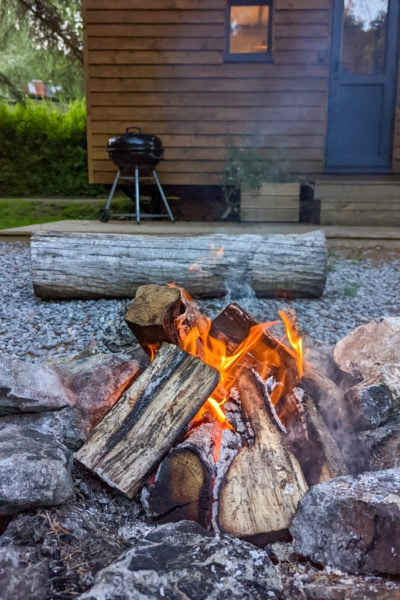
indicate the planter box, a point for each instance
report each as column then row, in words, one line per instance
column 272, row 203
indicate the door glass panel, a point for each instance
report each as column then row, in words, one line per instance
column 364, row 36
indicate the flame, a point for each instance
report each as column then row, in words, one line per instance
column 195, row 338
column 293, row 337
column 212, row 258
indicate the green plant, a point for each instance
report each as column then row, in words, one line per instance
column 246, row 167
column 43, row 150
column 351, row 289
column 17, row 212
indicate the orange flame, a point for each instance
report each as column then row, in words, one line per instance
column 195, row 338
column 212, row 258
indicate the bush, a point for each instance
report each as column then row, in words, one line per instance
column 43, row 150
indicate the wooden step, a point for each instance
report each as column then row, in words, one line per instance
column 272, row 203
column 359, row 202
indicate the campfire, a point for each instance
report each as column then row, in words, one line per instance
column 220, row 428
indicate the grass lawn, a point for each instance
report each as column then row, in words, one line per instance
column 16, row 212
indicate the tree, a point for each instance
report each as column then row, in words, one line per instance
column 40, row 39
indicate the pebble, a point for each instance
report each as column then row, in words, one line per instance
column 360, row 286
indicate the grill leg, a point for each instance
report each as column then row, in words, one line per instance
column 112, row 191
column 137, row 196
column 171, row 216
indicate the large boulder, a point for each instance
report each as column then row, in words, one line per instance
column 369, row 354
column 35, row 470
column 182, row 560
column 352, row 524
column 22, row 576
column 28, row 387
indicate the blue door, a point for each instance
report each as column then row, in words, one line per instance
column 363, row 80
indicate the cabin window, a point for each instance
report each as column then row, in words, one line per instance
column 248, row 31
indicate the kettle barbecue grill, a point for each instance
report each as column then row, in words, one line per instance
column 135, row 155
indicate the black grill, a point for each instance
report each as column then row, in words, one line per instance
column 131, row 150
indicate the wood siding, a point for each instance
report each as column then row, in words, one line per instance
column 160, row 65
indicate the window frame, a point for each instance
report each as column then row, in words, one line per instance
column 249, row 57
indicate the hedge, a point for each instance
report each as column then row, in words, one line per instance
column 43, row 150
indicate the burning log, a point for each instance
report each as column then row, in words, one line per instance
column 77, row 265
column 261, row 489
column 329, row 399
column 215, row 474
column 245, row 484
column 181, row 488
column 151, row 416
column 308, row 434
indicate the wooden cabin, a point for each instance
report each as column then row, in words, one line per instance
column 310, row 83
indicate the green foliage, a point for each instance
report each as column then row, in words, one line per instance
column 40, row 40
column 350, row 289
column 246, row 167
column 43, row 150
column 16, row 212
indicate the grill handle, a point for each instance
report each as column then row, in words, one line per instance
column 139, row 129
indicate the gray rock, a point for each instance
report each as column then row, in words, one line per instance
column 35, row 470
column 64, row 425
column 368, row 347
column 96, row 380
column 381, row 447
column 182, row 560
column 372, row 403
column 25, row 387
column 352, row 524
column 21, row 575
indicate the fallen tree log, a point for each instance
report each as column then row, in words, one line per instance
column 88, row 265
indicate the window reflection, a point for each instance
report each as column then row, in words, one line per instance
column 364, row 36
column 249, row 29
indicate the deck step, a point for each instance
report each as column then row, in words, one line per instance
column 358, row 202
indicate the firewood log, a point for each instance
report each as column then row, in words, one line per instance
column 152, row 314
column 260, row 491
column 307, row 437
column 181, row 488
column 151, row 416
column 84, row 265
column 329, row 399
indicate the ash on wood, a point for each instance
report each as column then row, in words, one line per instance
column 151, row 416
column 83, row 265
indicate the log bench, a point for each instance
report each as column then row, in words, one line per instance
column 90, row 265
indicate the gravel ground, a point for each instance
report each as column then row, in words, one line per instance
column 361, row 285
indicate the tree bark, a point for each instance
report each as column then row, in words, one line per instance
column 78, row 265
column 148, row 420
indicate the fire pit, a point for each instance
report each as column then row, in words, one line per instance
column 135, row 155
column 206, row 420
